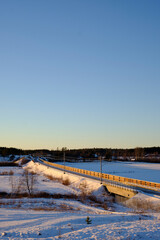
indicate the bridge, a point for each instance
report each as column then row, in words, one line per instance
column 122, row 186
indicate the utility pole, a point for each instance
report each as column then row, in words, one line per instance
column 64, row 159
column 101, row 167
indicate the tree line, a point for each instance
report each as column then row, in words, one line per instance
column 147, row 153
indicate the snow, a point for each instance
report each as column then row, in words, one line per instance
column 142, row 171
column 76, row 181
column 4, row 159
column 13, row 157
column 65, row 218
column 20, row 224
column 146, row 201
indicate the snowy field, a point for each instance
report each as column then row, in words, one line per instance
column 64, row 218
column 20, row 224
column 4, row 159
column 138, row 170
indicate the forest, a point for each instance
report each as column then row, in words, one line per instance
column 149, row 154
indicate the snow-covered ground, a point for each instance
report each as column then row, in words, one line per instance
column 21, row 224
column 4, row 159
column 137, row 170
column 64, row 218
column 13, row 157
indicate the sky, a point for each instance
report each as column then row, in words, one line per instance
column 79, row 73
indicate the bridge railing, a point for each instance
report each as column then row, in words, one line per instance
column 114, row 178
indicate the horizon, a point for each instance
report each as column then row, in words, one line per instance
column 68, row 149
column 80, row 74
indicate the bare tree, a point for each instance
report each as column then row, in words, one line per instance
column 25, row 183
column 29, row 180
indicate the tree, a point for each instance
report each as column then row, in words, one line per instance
column 139, row 152
column 29, row 180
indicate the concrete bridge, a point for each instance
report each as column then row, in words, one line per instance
column 121, row 186
column 120, row 191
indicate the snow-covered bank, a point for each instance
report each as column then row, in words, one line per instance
column 143, row 202
column 76, row 182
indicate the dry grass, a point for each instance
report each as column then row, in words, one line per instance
column 83, row 186
column 44, row 209
column 85, row 195
column 65, row 207
column 24, row 183
column 33, row 204
column 50, row 177
column 143, row 205
column 64, row 181
column 104, row 206
column 5, row 173
column 13, row 202
column 96, row 202
column 61, row 207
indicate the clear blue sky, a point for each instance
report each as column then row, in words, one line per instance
column 79, row 73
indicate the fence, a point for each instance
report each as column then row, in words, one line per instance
column 124, row 180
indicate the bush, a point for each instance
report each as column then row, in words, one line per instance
column 88, row 220
column 66, row 181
